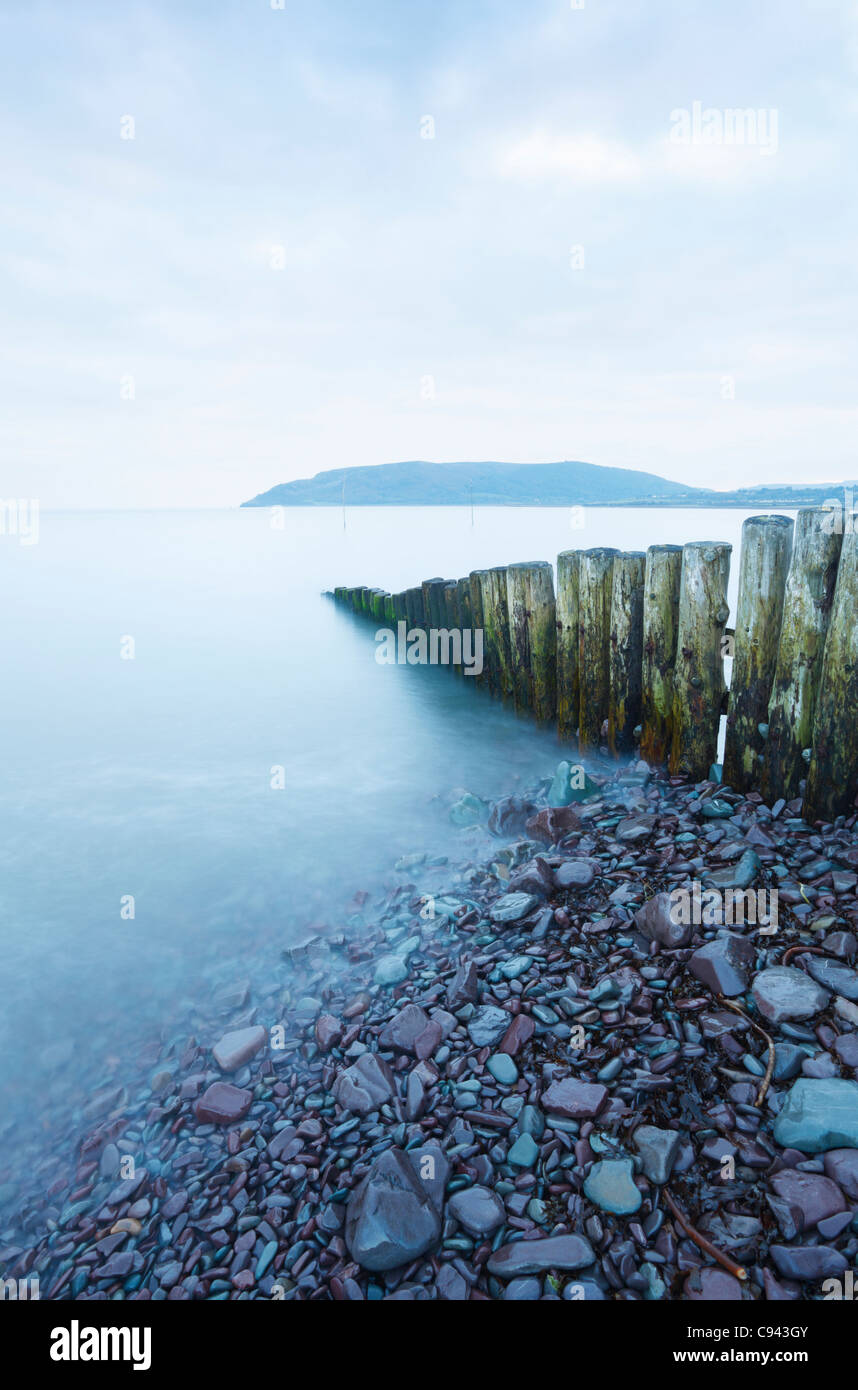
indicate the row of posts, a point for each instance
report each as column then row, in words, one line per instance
column 639, row 640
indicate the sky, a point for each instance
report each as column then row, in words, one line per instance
column 243, row 241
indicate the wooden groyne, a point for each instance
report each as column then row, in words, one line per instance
column 628, row 652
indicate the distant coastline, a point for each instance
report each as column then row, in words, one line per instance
column 566, row 484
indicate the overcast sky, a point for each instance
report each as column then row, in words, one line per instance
column 280, row 274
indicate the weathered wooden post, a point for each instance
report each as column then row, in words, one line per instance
column 543, row 642
column 660, row 620
column 568, row 640
column 451, row 618
column 477, row 579
column 389, row 610
column 432, row 600
column 832, row 778
column 496, row 628
column 377, row 597
column 698, row 678
column 414, row 608
column 594, row 618
column 807, row 608
column 518, row 606
column 362, row 601
column 763, row 567
column 626, row 656
column 400, row 611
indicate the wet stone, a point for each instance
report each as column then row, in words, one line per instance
column 611, row 1187
column 784, row 992
column 819, row 1115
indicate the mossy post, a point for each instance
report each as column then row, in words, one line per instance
column 763, row 568
column 660, row 621
column 390, row 609
column 476, row 580
column 698, row 677
column 832, row 778
column 807, row 610
column 594, row 628
column 400, row 611
column 624, row 704
column 496, row 628
column 568, row 639
column 377, row 598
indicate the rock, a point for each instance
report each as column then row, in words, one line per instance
column 462, row 989
column 611, row 1187
column 570, row 783
column 488, row 1025
column 533, row 877
column 819, row 1115
column 519, row 1032
column 390, row 1221
column 509, row 815
column 478, row 1209
column 403, row 1030
column 788, row 1060
column 846, row 1047
column 655, row 920
column 522, row 1291
column 390, row 970
column 724, row 964
column 432, row 1169
column 222, row 1104
column 552, row 824
column 503, row 1068
column 813, row 1196
column 658, row 1149
column 524, row 1152
column 783, row 992
column 536, row 1256
column 634, row 829
column 451, row 1286
column 841, row 1165
column 739, row 875
column 808, row 1261
column 834, row 975
column 512, row 907
column 711, row 1285
column 468, row 810
column 576, row 873
column 574, row 1100
column 235, row 1049
column 328, row 1032
column 365, row 1085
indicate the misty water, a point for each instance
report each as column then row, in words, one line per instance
column 151, row 777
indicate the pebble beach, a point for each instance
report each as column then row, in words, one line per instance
column 516, row 1077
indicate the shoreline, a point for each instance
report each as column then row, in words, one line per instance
column 415, row 1093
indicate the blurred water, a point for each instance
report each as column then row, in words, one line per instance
column 151, row 777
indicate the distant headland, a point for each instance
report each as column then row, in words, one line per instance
column 491, row 484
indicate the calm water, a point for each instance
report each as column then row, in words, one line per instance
column 151, row 777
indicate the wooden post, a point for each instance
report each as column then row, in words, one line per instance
column 477, row 579
column 400, row 612
column 463, row 590
column 518, row 607
column 594, row 624
column 660, row 618
column 543, row 642
column 389, row 610
column 698, row 680
column 626, row 659
column 832, row 779
column 432, row 597
column 377, row 597
column 414, row 608
column 807, row 609
column 496, row 628
column 568, row 639
column 763, row 566
column 451, row 617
